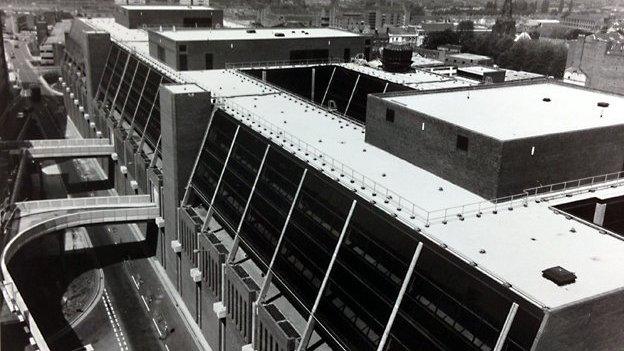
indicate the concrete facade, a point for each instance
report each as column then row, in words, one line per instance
column 257, row 50
column 599, row 62
column 491, row 167
column 184, row 117
column 596, row 317
column 154, row 16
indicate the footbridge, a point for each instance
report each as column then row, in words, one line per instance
column 60, row 148
column 33, row 219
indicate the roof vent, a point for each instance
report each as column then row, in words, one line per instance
column 603, row 104
column 251, row 31
column 559, row 275
column 280, row 35
column 546, row 99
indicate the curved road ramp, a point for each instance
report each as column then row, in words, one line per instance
column 38, row 218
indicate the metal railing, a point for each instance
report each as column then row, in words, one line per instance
column 509, row 202
column 9, row 289
column 298, row 97
column 327, row 164
column 579, row 185
column 68, row 142
column 31, row 207
column 282, row 63
column 477, row 208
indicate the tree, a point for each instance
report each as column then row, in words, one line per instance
column 434, row 39
column 465, row 30
column 541, row 57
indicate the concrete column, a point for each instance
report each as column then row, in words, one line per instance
column 184, row 115
column 313, row 84
column 599, row 214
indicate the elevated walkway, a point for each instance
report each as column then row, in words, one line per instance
column 38, row 218
column 60, row 148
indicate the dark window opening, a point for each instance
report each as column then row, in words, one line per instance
column 182, row 63
column 182, row 48
column 462, row 143
column 309, row 55
column 347, row 55
column 161, row 53
column 209, row 61
column 197, row 22
column 389, row 115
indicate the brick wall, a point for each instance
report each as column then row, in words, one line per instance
column 435, row 148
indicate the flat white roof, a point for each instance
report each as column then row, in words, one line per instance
column 337, row 136
column 513, row 112
column 257, row 34
column 425, row 61
column 478, row 69
column 166, row 7
column 518, row 244
column 418, row 80
column 512, row 75
column 469, row 56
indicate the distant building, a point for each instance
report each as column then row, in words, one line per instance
column 482, row 74
column 51, row 50
column 596, row 62
column 437, row 26
column 42, row 31
column 135, row 16
column 210, row 49
column 24, row 21
column 411, row 36
column 467, row 59
column 5, row 93
column 587, row 22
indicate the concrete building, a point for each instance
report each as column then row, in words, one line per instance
column 467, row 59
column 460, row 135
column 135, row 16
column 285, row 225
column 482, row 73
column 208, row 49
column 596, row 62
column 587, row 22
column 52, row 49
column 5, row 87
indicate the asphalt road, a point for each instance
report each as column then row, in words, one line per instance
column 27, row 74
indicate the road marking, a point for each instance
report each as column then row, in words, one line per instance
column 112, row 318
column 157, row 328
column 167, row 347
column 145, row 302
column 135, row 282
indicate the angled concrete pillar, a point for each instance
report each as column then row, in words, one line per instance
column 184, row 114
